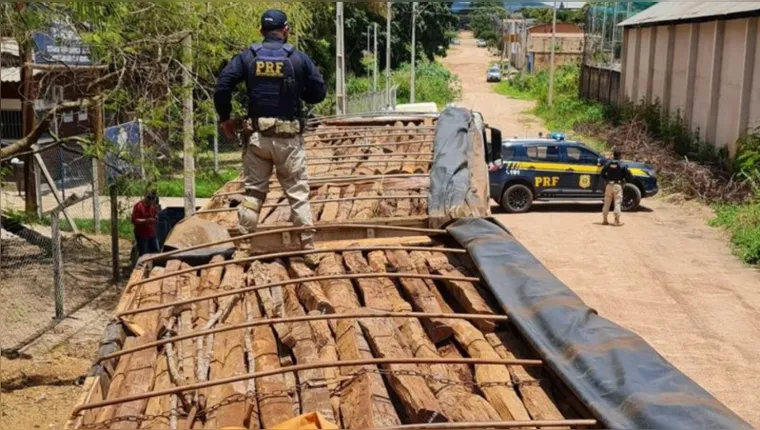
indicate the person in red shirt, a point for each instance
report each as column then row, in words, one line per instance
column 145, row 220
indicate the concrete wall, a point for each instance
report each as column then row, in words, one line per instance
column 707, row 72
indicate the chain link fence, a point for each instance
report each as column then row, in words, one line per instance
column 604, row 38
column 372, row 101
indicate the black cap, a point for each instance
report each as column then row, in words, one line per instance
column 274, row 19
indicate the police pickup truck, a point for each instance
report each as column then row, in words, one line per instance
column 557, row 170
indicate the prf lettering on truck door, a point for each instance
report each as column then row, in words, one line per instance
column 547, row 181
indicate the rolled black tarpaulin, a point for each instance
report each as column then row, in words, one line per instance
column 623, row 381
column 453, row 194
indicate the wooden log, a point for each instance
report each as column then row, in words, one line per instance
column 422, row 297
column 330, row 211
column 229, row 360
column 365, row 402
column 321, row 194
column 310, row 293
column 459, row 372
column 459, row 403
column 291, row 379
column 301, row 340
column 135, row 373
column 328, row 353
column 419, row 403
column 274, row 404
column 404, row 206
column 379, row 264
column 209, row 284
column 344, row 210
column 271, row 299
column 186, row 349
column 365, row 209
column 533, row 389
column 159, row 406
column 321, row 169
column 466, row 294
column 372, row 290
column 502, row 397
column 266, row 212
column 281, row 214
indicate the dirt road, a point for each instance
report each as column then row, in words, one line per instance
column 665, row 275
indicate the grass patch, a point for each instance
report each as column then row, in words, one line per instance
column 505, row 88
column 205, row 185
column 743, row 223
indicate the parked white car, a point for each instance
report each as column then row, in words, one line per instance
column 481, row 43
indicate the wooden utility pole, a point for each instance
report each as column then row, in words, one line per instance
column 187, row 115
column 412, row 91
column 28, row 120
column 551, row 65
column 388, row 56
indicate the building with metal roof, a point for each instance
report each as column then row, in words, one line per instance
column 700, row 61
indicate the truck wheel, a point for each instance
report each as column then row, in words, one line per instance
column 517, row 199
column 631, row 198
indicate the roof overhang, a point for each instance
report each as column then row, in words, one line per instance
column 667, row 13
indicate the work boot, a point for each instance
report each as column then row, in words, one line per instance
column 605, row 222
column 617, row 222
column 307, row 244
column 248, row 214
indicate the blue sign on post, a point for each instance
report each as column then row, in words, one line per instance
column 61, row 45
column 124, row 151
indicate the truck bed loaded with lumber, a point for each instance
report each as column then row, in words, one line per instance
column 393, row 322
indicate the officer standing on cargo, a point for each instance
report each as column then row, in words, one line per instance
column 616, row 174
column 279, row 79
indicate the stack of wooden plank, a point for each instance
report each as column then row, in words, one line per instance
column 352, row 397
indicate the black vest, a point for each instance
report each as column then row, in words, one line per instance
column 274, row 87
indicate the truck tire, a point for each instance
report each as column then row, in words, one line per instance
column 631, row 198
column 517, row 199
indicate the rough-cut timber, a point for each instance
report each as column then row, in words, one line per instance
column 356, row 166
column 422, row 297
column 416, row 398
column 458, row 403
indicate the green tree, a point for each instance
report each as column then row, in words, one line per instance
column 485, row 21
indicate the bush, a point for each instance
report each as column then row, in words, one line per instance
column 435, row 84
column 568, row 110
column 743, row 222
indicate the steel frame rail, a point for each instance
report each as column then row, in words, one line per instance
column 369, row 162
column 349, row 179
column 309, row 318
column 295, row 281
column 300, row 253
column 424, row 231
column 368, row 145
column 302, row 368
column 357, row 156
column 315, row 202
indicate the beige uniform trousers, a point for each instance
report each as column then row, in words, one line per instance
column 288, row 156
column 613, row 192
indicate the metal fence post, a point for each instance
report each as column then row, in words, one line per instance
column 57, row 266
column 115, row 235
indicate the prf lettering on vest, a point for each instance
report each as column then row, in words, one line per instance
column 270, row 69
column 547, row 182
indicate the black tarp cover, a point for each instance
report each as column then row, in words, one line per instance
column 623, row 381
column 453, row 193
